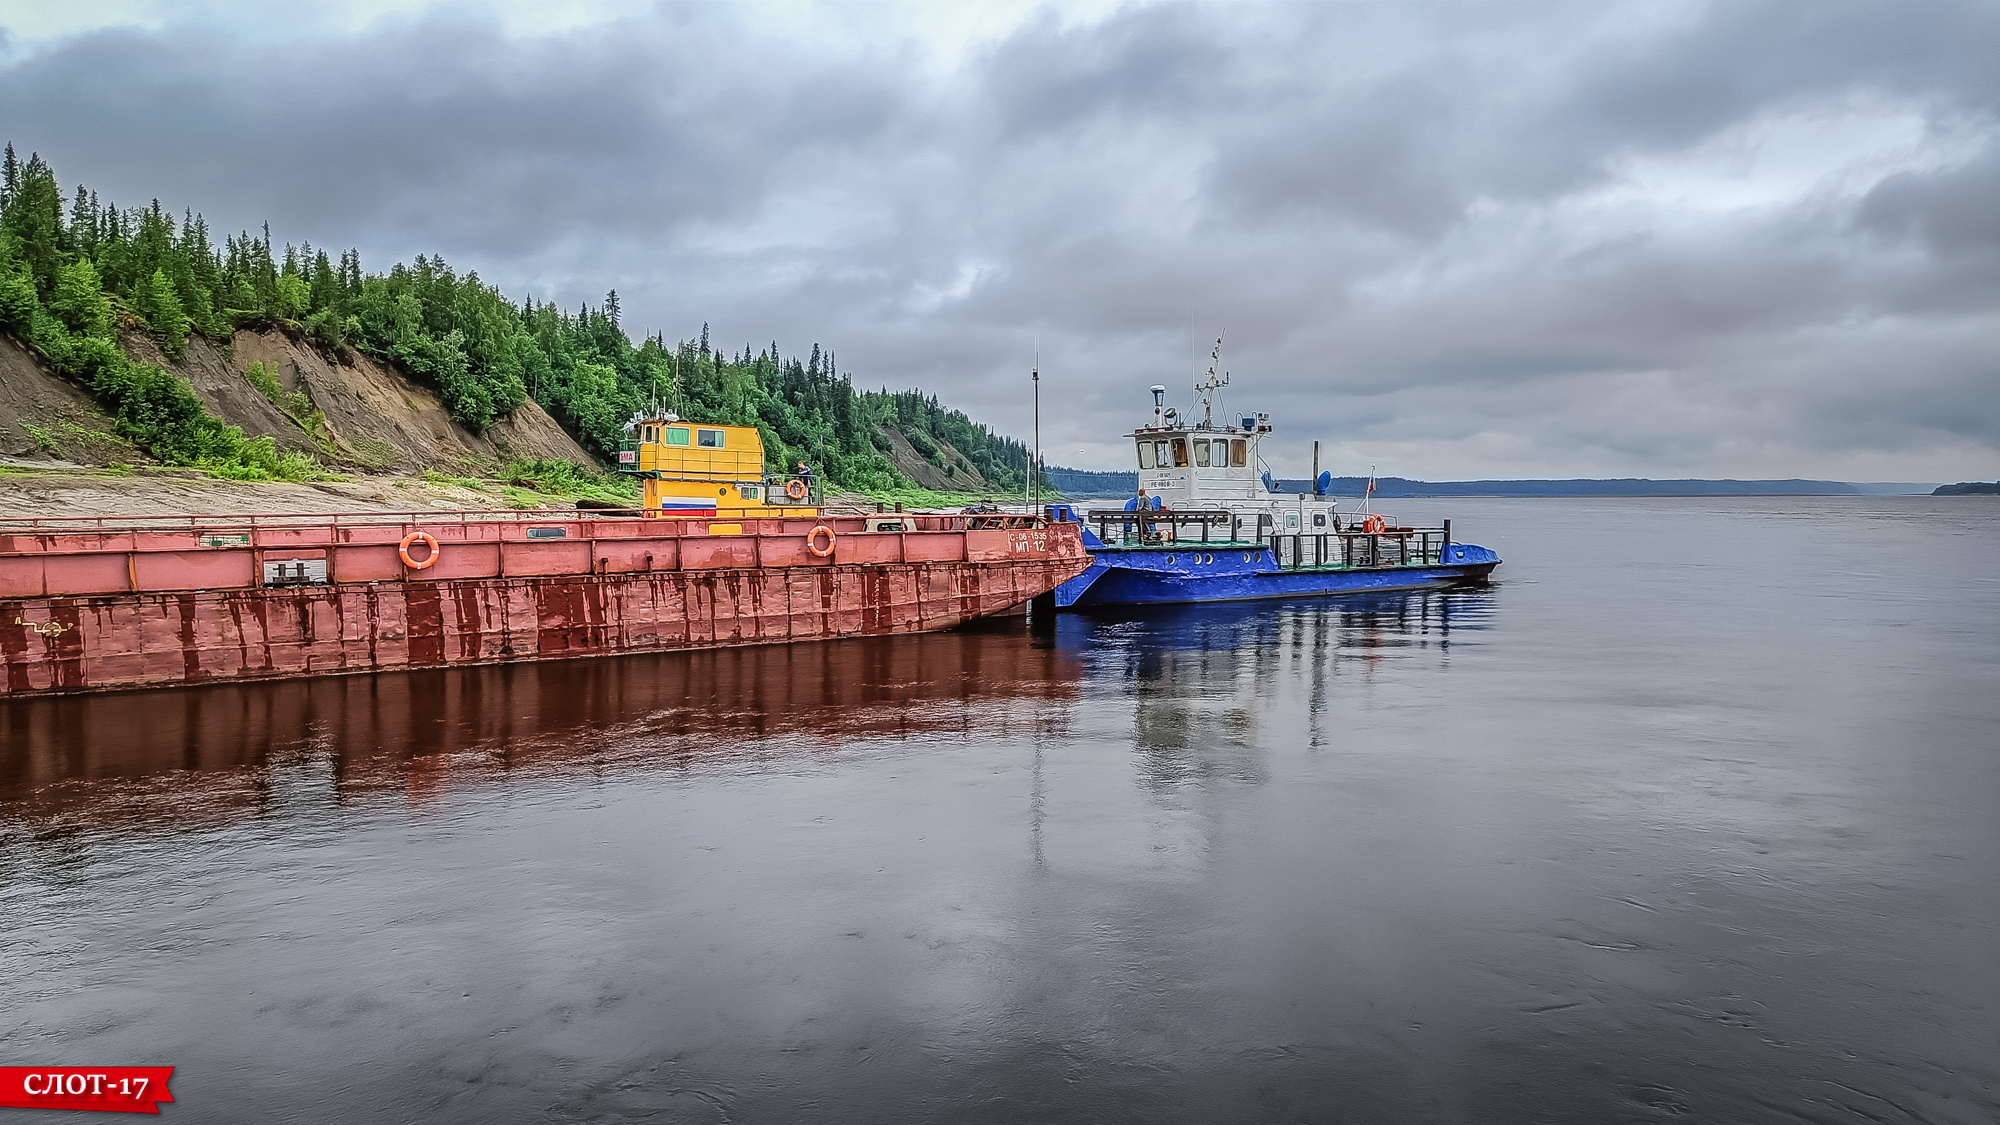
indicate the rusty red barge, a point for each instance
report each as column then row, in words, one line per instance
column 103, row 604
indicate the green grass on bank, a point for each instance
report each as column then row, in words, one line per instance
column 567, row 479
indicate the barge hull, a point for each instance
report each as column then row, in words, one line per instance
column 144, row 605
column 110, row 642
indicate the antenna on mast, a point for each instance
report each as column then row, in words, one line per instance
column 656, row 377
column 675, row 359
column 1207, row 388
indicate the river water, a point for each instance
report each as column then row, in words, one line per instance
column 1694, row 814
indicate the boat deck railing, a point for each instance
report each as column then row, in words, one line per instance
column 1360, row 550
column 1120, row 528
column 1345, row 549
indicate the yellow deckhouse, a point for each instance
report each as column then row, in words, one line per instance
column 691, row 469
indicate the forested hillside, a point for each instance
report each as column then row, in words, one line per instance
column 74, row 269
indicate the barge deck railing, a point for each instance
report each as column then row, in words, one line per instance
column 71, row 556
column 610, row 522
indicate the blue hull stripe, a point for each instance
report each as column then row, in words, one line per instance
column 1228, row 573
column 1117, row 586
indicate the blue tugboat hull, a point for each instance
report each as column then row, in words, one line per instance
column 1177, row 575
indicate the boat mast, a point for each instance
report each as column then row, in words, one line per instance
column 1207, row 388
column 1034, row 467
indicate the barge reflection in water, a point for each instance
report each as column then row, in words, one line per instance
column 421, row 731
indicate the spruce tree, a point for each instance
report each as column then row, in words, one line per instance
column 17, row 298
column 34, row 217
column 160, row 305
column 83, row 224
column 291, row 298
column 325, row 286
column 79, row 301
column 264, row 275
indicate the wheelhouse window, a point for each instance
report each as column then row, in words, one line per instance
column 1180, row 453
column 1163, row 455
column 1239, row 452
column 1201, row 454
column 708, row 439
column 1221, row 451
column 1145, row 454
column 677, row 435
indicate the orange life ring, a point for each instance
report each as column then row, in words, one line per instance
column 796, row 490
column 812, row 541
column 1373, row 525
column 419, row 536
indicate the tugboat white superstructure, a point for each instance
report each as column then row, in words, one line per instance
column 1187, row 466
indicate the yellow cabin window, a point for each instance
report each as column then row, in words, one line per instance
column 677, row 435
column 751, row 491
column 708, row 439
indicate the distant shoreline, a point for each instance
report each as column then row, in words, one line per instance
column 1082, row 484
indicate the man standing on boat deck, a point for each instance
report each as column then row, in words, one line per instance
column 806, row 477
column 1148, row 531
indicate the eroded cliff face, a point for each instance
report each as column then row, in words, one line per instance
column 925, row 472
column 385, row 419
column 376, row 417
column 45, row 416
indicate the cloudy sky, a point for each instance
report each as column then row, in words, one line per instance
column 1455, row 240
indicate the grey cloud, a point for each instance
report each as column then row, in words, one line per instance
column 1145, row 61
column 1413, row 221
column 442, row 128
column 1956, row 212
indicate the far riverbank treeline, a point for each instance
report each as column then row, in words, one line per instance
column 1083, row 485
column 74, row 271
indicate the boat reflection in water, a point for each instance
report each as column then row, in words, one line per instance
column 1218, row 691
column 228, row 749
column 1204, row 676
